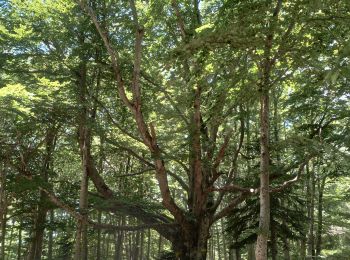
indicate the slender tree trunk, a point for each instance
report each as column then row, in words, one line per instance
column 218, row 242
column 81, row 243
column 9, row 253
column 306, row 194
column 273, row 240
column 251, row 253
column 311, row 238
column 3, row 210
column 149, row 244
column 223, row 239
column 160, row 244
column 107, row 246
column 274, row 235
column 81, row 249
column 19, row 248
column 142, row 244
column 118, row 255
column 129, row 248
column 50, row 242
column 236, row 254
column 286, row 249
column 264, row 218
column 264, row 88
column 321, row 185
column 211, row 249
column 98, row 246
column 136, row 247
column 303, row 248
column 3, row 232
column 100, row 169
column 81, row 234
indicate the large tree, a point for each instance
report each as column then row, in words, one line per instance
column 180, row 89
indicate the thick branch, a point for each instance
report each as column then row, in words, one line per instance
column 135, row 107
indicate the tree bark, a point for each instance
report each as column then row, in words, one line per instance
column 264, row 88
column 195, row 248
column 3, row 210
column 19, row 248
column 50, row 242
column 303, row 248
column 98, row 245
column 273, row 240
column 84, row 136
column 321, row 185
column 149, row 244
column 218, row 242
column 142, row 245
column 286, row 248
column 223, row 239
column 251, row 253
column 39, row 228
column 81, row 249
column 264, row 216
column 311, row 209
column 136, row 245
column 118, row 255
column 36, row 247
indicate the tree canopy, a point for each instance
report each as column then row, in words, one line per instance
column 170, row 129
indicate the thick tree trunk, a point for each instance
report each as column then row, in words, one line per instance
column 197, row 246
column 40, row 221
column 39, row 228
